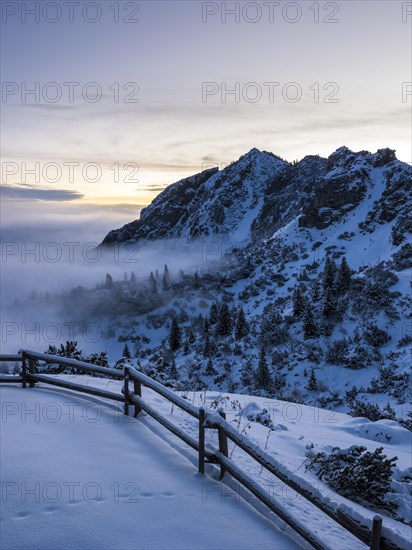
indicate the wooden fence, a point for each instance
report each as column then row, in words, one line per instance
column 135, row 379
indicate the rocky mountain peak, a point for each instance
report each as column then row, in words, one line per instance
column 260, row 193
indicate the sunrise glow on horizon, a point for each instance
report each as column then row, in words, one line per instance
column 204, row 87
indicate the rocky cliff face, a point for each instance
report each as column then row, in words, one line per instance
column 210, row 203
column 260, row 193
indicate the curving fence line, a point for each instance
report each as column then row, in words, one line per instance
column 131, row 397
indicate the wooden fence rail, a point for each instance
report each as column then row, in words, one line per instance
column 206, row 420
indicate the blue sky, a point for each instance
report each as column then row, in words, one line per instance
column 349, row 74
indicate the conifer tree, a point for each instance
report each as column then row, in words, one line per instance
column 166, row 279
column 329, row 304
column 205, row 330
column 313, row 383
column 316, row 296
column 210, row 370
column 343, row 277
column 263, row 376
column 133, row 282
column 273, row 330
column 329, row 274
column 213, row 314
column 173, row 372
column 224, row 322
column 310, row 330
column 126, row 352
column 152, row 284
column 175, row 336
column 242, row 326
column 207, row 348
column 298, row 302
column 109, row 281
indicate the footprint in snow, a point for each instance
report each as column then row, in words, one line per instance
column 49, row 509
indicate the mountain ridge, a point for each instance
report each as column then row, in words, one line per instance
column 259, row 193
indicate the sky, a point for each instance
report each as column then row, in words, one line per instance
column 129, row 97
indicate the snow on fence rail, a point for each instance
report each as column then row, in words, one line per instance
column 371, row 536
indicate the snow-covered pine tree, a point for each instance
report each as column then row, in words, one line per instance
column 175, row 336
column 343, row 277
column 224, row 322
column 109, row 281
column 210, row 369
column 273, row 330
column 213, row 314
column 299, row 302
column 242, row 326
column 263, row 377
column 313, row 383
column 173, row 372
column 196, row 282
column 207, row 351
column 329, row 304
column 329, row 274
column 205, row 329
column 316, row 295
column 166, row 279
column 133, row 282
column 152, row 284
column 126, row 352
column 310, row 329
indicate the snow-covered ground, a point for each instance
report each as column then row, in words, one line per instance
column 76, row 475
column 81, row 440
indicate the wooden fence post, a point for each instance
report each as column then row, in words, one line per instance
column 126, row 390
column 223, row 447
column 202, row 417
column 32, row 370
column 24, row 371
column 376, row 533
column 138, row 391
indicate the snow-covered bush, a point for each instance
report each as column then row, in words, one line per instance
column 358, row 357
column 374, row 336
column 390, row 382
column 337, row 352
column 254, row 413
column 403, row 258
column 355, row 473
column 365, row 409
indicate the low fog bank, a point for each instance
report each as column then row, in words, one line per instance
column 50, row 250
